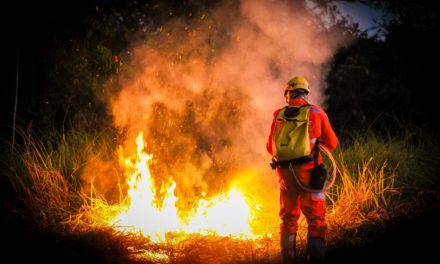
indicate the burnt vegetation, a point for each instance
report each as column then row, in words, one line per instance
column 380, row 100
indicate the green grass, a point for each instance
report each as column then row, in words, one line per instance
column 46, row 176
column 380, row 179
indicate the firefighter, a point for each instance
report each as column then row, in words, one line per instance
column 294, row 199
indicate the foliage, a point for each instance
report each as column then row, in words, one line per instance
column 45, row 176
column 379, row 87
column 381, row 180
column 386, row 82
column 69, row 51
column 377, row 180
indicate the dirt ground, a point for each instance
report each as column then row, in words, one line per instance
column 413, row 239
column 416, row 239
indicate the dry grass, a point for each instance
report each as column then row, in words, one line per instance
column 184, row 248
column 365, row 197
column 45, row 176
column 370, row 190
column 39, row 184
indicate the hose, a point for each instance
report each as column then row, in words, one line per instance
column 325, row 188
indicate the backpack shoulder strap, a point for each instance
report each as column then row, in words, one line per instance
column 281, row 112
column 305, row 105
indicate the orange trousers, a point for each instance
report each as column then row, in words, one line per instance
column 294, row 200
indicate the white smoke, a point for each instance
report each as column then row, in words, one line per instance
column 204, row 91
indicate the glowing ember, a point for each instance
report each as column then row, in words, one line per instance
column 227, row 214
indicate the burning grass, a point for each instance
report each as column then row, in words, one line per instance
column 372, row 188
column 196, row 248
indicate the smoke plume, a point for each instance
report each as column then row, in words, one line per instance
column 204, row 89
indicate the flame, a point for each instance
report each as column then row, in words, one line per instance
column 226, row 214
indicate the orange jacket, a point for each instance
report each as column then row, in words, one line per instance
column 319, row 127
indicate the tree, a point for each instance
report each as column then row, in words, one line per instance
column 386, row 83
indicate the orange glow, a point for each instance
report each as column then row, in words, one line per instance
column 227, row 214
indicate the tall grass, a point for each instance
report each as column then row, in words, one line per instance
column 45, row 176
column 379, row 179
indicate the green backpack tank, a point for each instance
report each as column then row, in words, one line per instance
column 290, row 139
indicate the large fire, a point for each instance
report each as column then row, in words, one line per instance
column 227, row 214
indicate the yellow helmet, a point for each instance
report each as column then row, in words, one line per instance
column 297, row 82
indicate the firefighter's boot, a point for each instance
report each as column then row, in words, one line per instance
column 315, row 250
column 288, row 248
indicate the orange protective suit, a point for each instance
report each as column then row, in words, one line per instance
column 293, row 199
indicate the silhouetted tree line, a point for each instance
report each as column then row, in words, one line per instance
column 68, row 49
column 387, row 82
